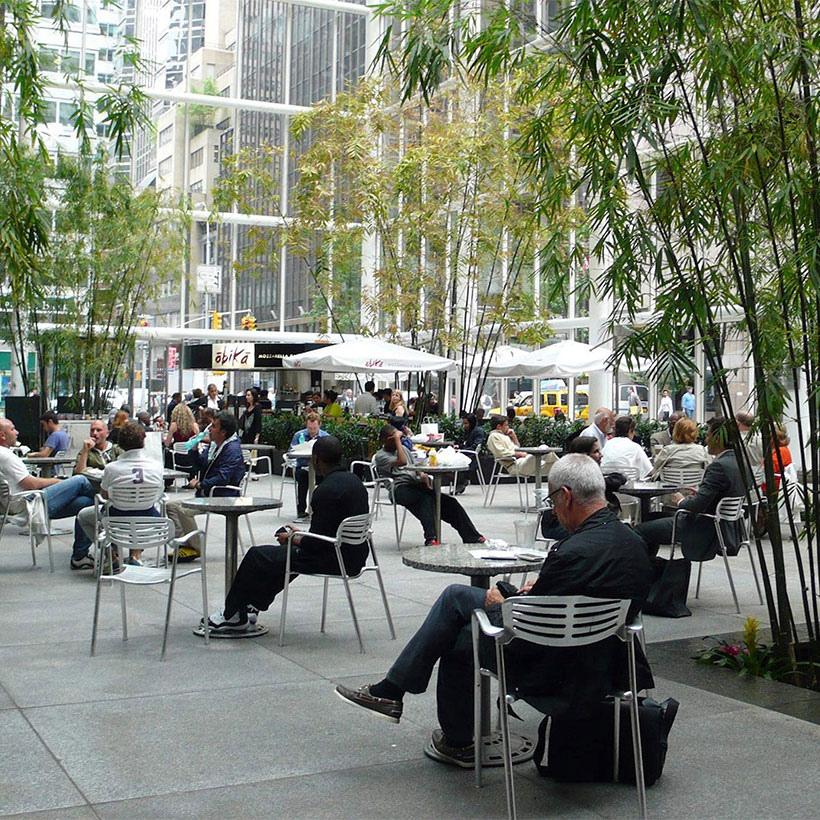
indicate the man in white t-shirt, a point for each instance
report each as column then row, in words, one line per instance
column 133, row 467
column 367, row 404
column 622, row 452
column 64, row 498
column 666, row 407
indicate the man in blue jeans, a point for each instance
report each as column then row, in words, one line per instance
column 601, row 557
column 64, row 498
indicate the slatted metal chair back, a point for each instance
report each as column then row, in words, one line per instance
column 730, row 509
column 354, row 530
column 140, row 533
column 142, row 494
column 571, row 620
column 5, row 493
column 682, row 476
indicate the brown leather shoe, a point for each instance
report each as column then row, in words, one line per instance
column 384, row 708
column 439, row 748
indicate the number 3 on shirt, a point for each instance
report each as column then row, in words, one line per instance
column 139, row 477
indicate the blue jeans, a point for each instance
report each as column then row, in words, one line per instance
column 446, row 636
column 65, row 499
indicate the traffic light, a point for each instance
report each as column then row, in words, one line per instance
column 249, row 322
column 216, row 320
column 245, row 322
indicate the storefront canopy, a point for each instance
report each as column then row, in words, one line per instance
column 368, row 356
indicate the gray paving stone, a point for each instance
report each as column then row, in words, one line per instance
column 5, row 700
column 65, row 673
column 183, row 742
column 75, row 813
column 377, row 791
column 30, row 777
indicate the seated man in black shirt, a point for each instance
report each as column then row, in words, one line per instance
column 261, row 575
column 602, row 558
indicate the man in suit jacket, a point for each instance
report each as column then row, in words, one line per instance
column 601, row 558
column 218, row 467
column 662, row 438
column 261, row 575
column 723, row 479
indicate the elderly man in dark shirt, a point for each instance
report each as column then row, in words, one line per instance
column 261, row 575
column 601, row 558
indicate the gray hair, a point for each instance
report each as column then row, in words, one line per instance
column 579, row 474
column 602, row 413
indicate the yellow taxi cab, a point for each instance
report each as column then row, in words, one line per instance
column 551, row 400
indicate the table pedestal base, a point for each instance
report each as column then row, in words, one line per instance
column 522, row 750
column 256, row 631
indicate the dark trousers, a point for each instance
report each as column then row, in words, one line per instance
column 421, row 502
column 261, row 575
column 302, row 482
column 446, row 637
column 656, row 533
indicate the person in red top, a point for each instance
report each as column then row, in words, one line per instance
column 781, row 455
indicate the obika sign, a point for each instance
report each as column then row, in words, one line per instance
column 233, row 357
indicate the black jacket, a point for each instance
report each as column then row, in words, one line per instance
column 603, row 558
column 340, row 495
column 250, row 424
column 723, row 479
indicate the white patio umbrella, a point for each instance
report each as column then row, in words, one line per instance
column 563, row 359
column 368, row 356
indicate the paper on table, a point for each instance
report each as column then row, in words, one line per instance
column 303, row 449
column 494, row 555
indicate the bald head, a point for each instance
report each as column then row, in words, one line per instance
column 8, row 433
column 603, row 419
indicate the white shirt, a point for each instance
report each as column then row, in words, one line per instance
column 594, row 430
column 12, row 470
column 366, row 405
column 621, row 451
column 501, row 445
column 134, row 467
column 666, row 406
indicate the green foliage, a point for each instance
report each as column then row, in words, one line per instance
column 535, row 430
column 750, row 658
column 359, row 436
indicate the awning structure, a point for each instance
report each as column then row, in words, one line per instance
column 369, row 356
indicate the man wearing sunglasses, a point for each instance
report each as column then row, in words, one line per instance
column 601, row 558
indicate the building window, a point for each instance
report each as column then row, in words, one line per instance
column 197, row 157
column 196, row 187
column 48, row 59
column 67, row 111
column 216, row 152
column 165, row 166
column 166, row 135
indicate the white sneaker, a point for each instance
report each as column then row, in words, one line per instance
column 238, row 622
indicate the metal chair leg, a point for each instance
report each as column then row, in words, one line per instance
column 636, row 726
column 754, row 572
column 478, row 739
column 168, row 616
column 124, row 610
column 324, row 605
column 384, row 601
column 505, row 732
column 95, row 624
column 353, row 613
column 205, row 612
column 726, row 564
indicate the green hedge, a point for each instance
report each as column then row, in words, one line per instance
column 359, row 436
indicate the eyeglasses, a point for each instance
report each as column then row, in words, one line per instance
column 555, row 492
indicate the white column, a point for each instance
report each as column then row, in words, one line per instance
column 600, row 384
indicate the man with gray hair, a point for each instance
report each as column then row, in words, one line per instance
column 601, row 558
column 752, row 441
column 602, row 423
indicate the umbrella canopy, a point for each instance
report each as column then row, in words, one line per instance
column 504, row 356
column 368, row 356
column 565, row 358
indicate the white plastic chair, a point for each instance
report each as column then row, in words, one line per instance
column 558, row 621
column 731, row 510
column 381, row 494
column 357, row 529
column 474, row 455
column 251, row 461
column 145, row 533
column 34, row 499
column 288, row 466
column 500, row 471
